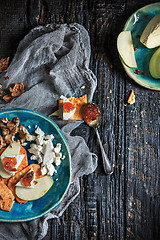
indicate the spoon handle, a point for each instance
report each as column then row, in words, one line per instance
column 106, row 163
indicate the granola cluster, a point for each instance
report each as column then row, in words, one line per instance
column 9, row 129
column 4, row 64
column 14, row 91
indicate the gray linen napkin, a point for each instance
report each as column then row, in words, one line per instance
column 52, row 60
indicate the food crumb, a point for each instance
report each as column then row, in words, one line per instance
column 83, row 87
column 6, row 78
column 110, row 91
column 131, row 98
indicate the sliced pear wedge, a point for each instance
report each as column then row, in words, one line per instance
column 3, row 172
column 151, row 34
column 154, row 64
column 125, row 49
column 9, row 151
column 12, row 150
column 40, row 189
column 58, row 113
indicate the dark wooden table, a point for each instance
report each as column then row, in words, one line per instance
column 125, row 205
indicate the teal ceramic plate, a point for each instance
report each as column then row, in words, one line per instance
column 35, row 209
column 136, row 24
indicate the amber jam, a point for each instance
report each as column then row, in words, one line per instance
column 9, row 163
column 91, row 113
column 67, row 107
column 27, row 179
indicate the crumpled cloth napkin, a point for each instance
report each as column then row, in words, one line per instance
column 50, row 61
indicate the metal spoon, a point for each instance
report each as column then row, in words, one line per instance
column 91, row 115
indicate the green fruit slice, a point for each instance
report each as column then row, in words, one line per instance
column 41, row 188
column 151, row 34
column 154, row 64
column 125, row 49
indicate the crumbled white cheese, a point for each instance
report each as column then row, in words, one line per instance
column 43, row 170
column 38, row 131
column 50, row 169
column 48, row 152
column 57, row 161
column 33, row 157
column 31, row 138
column 40, row 139
column 34, row 149
column 39, row 158
column 57, row 149
column 44, row 152
column 49, row 137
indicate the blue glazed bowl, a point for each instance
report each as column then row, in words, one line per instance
column 35, row 209
column 136, row 24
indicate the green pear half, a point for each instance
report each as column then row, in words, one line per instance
column 39, row 190
column 154, row 64
column 151, row 34
column 125, row 49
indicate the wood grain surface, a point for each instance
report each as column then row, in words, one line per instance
column 125, row 205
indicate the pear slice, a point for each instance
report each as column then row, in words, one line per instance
column 3, row 172
column 125, row 49
column 12, row 150
column 151, row 34
column 58, row 113
column 9, row 151
column 154, row 64
column 40, row 189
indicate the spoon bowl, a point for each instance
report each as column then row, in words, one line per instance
column 91, row 115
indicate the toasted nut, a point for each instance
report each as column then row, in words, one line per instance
column 15, row 120
column 9, row 138
column 7, row 98
column 17, row 90
column 5, row 131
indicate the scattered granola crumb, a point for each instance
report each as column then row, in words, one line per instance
column 110, row 91
column 6, row 78
column 4, row 64
column 131, row 98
